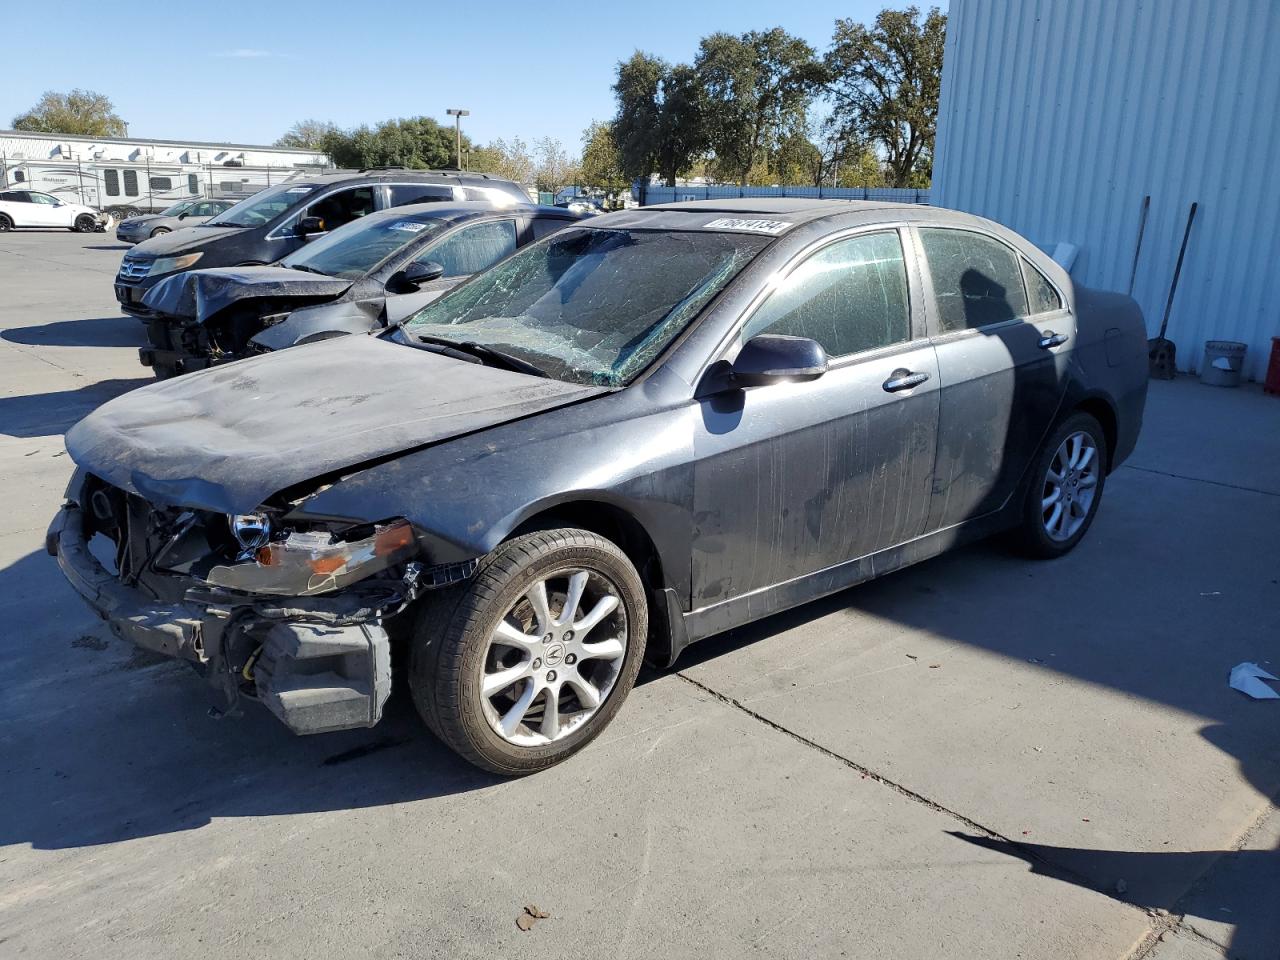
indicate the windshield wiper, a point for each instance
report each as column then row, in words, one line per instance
column 484, row 352
column 306, row 269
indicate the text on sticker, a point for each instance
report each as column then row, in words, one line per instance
column 756, row 226
column 408, row 226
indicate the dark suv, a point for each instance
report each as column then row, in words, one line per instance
column 274, row 222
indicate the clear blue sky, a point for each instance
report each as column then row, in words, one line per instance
column 241, row 72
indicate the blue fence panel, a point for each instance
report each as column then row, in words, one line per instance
column 652, row 195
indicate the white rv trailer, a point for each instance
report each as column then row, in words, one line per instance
column 127, row 177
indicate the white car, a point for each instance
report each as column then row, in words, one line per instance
column 31, row 208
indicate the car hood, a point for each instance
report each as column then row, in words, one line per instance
column 141, row 221
column 227, row 438
column 199, row 294
column 184, row 241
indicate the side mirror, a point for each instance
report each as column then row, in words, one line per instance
column 308, row 226
column 182, row 215
column 771, row 358
column 416, row 274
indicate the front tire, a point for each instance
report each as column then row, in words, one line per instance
column 160, row 231
column 525, row 663
column 1065, row 488
column 85, row 224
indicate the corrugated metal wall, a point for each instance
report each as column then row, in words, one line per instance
column 1058, row 116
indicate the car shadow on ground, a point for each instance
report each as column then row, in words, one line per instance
column 950, row 597
column 117, row 331
column 123, row 746
column 110, row 246
column 47, row 414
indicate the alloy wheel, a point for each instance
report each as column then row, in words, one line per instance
column 1070, row 486
column 545, row 674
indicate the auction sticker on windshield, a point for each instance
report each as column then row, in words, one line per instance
column 408, row 226
column 755, row 226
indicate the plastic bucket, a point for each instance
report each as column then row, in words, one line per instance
column 1223, row 361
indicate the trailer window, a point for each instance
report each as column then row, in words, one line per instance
column 193, row 184
column 112, row 180
column 161, row 183
column 131, row 183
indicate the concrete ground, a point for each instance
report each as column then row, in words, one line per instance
column 979, row 757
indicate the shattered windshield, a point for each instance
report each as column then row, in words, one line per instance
column 263, row 206
column 357, row 247
column 590, row 306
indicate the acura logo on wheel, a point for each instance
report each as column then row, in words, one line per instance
column 553, row 654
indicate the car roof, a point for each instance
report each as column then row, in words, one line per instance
column 776, row 216
column 382, row 174
column 463, row 210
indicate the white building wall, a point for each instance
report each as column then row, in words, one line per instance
column 18, row 145
column 1058, row 116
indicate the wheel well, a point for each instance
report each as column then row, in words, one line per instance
column 629, row 534
column 1101, row 411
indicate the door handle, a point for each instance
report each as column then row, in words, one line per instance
column 902, row 379
column 1051, row 339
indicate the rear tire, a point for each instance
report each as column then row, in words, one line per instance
column 5, row 223
column 471, row 638
column 1064, row 490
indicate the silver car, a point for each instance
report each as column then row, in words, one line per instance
column 185, row 213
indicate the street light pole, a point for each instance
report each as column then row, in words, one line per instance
column 457, row 132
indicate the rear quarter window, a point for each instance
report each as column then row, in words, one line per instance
column 1042, row 297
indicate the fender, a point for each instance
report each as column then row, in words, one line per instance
column 320, row 321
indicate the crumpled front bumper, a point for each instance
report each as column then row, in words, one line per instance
column 318, row 671
column 174, row 630
column 170, row 345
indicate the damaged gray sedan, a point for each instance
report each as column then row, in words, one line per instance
column 642, row 430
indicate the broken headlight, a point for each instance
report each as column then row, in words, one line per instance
column 300, row 563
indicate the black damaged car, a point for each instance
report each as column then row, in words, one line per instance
column 278, row 220
column 365, row 275
column 644, row 429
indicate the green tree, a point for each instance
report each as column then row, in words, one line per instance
column 758, row 88
column 637, row 127
column 601, row 165
column 509, row 159
column 308, row 135
column 553, row 167
column 883, row 85
column 78, row 113
column 415, row 142
column 660, row 124
column 683, row 124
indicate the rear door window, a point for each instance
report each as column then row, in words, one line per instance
column 544, row 226
column 419, row 193
column 976, row 279
column 473, row 248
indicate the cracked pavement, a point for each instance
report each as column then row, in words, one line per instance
column 976, row 757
